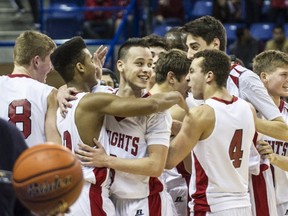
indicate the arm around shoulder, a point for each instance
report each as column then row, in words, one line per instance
column 51, row 132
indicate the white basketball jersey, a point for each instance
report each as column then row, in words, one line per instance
column 220, row 163
column 280, row 177
column 23, row 101
column 71, row 138
column 130, row 138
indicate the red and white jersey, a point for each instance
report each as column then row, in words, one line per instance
column 280, row 177
column 23, row 101
column 71, row 138
column 247, row 85
column 220, row 163
column 130, row 138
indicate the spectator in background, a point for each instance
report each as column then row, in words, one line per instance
column 278, row 11
column 253, row 11
column 98, row 24
column 109, row 78
column 279, row 40
column 34, row 7
column 227, row 10
column 170, row 11
column 246, row 47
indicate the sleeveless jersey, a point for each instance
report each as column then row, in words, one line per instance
column 129, row 138
column 94, row 196
column 23, row 101
column 280, row 177
column 220, row 163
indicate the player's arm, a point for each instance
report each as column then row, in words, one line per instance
column 125, row 107
column 196, row 126
column 151, row 165
column 51, row 132
column 254, row 91
column 266, row 151
column 275, row 128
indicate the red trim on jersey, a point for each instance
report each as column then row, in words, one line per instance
column 235, row 79
column 225, row 101
column 155, row 206
column 199, row 197
column 96, row 201
column 95, row 192
column 18, row 75
column 199, row 213
column 155, row 186
column 281, row 105
column 260, row 195
column 181, row 170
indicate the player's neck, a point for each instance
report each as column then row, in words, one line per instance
column 276, row 100
column 22, row 70
column 158, row 88
column 81, row 87
column 220, row 93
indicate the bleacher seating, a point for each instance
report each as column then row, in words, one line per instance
column 201, row 8
column 65, row 23
column 262, row 31
column 231, row 29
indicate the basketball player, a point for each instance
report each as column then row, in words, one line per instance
column 25, row 100
column 208, row 33
column 220, row 139
column 84, row 120
column 171, row 77
column 12, row 144
column 272, row 68
column 138, row 145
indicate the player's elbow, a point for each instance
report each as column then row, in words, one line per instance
column 169, row 165
column 156, row 171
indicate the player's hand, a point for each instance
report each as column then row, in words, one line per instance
column 91, row 157
column 265, row 150
column 65, row 95
column 99, row 59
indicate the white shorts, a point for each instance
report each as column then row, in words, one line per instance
column 179, row 193
column 156, row 205
column 244, row 211
column 92, row 202
column 282, row 209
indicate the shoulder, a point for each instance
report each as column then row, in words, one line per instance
column 202, row 114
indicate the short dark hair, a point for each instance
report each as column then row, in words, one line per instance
column 156, row 41
column 216, row 61
column 131, row 42
column 65, row 57
column 174, row 60
column 175, row 39
column 208, row 28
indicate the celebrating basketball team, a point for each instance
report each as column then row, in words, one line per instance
column 188, row 131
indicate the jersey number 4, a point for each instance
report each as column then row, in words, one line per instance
column 19, row 113
column 235, row 151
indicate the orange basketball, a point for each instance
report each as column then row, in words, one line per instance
column 47, row 178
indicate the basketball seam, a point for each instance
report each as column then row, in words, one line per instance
column 48, row 171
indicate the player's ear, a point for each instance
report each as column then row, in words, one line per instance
column 79, row 67
column 120, row 66
column 216, row 43
column 264, row 77
column 170, row 77
column 209, row 76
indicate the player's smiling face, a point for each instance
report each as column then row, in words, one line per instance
column 277, row 82
column 137, row 67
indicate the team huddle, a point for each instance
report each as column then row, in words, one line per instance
column 187, row 132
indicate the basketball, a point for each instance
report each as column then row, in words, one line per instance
column 47, row 178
